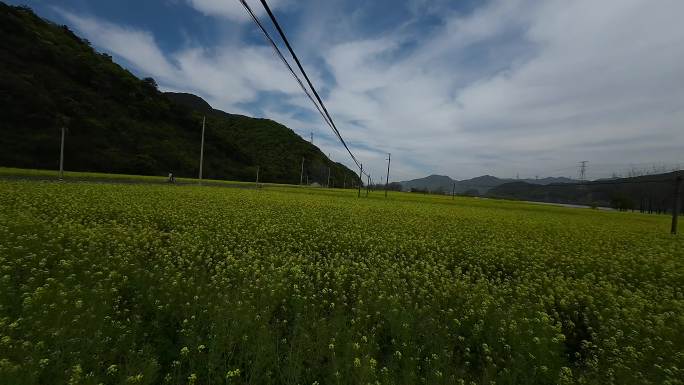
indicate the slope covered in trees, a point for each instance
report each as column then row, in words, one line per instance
column 648, row 193
column 50, row 78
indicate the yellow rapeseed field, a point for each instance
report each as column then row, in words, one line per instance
column 143, row 284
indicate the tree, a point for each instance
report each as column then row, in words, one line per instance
column 151, row 82
column 622, row 202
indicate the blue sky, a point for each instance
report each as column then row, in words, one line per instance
column 461, row 88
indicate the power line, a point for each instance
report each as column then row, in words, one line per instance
column 599, row 183
column 282, row 58
column 306, row 77
column 324, row 113
column 659, row 167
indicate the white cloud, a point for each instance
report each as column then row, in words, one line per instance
column 231, row 9
column 514, row 86
column 589, row 81
column 225, row 75
column 135, row 46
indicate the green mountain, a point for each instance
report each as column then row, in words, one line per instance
column 475, row 186
column 431, row 183
column 649, row 193
column 50, row 78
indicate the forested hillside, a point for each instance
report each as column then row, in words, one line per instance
column 50, row 78
column 648, row 193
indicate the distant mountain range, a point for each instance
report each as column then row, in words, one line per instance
column 648, row 193
column 475, row 186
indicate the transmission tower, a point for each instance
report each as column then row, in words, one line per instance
column 583, row 169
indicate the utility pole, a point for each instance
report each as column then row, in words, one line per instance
column 360, row 179
column 368, row 185
column 389, row 159
column 453, row 191
column 204, row 118
column 675, row 206
column 61, row 154
column 328, row 176
column 311, row 137
column 257, row 179
column 344, row 184
column 583, row 169
column 301, row 174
